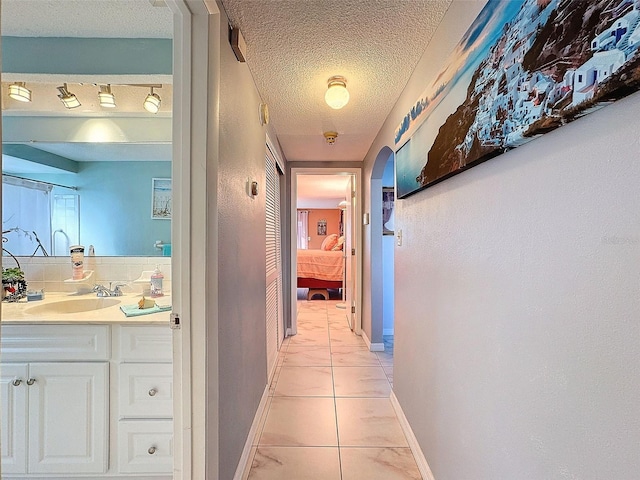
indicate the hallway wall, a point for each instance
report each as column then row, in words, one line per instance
column 517, row 299
column 241, row 230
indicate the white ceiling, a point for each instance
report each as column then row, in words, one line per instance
column 321, row 191
column 293, row 47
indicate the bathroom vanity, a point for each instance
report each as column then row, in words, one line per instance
column 85, row 394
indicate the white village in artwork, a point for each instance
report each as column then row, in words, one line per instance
column 510, row 104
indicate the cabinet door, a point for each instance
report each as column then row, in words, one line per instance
column 68, row 417
column 13, row 398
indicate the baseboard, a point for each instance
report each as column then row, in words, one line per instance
column 387, row 331
column 373, row 347
column 244, row 464
column 421, row 461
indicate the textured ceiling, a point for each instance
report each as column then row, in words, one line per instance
column 294, row 46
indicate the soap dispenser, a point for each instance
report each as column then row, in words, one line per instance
column 156, row 283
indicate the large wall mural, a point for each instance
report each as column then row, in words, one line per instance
column 524, row 68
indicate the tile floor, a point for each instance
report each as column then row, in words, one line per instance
column 329, row 416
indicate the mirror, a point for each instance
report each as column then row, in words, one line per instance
column 87, row 176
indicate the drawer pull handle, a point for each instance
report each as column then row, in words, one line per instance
column 151, row 450
column 31, row 381
column 16, row 382
column 152, row 392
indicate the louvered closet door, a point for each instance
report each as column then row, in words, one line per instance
column 275, row 333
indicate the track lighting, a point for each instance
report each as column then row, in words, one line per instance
column 337, row 95
column 19, row 92
column 152, row 102
column 107, row 99
column 67, row 98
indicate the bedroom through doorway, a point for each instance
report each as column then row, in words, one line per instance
column 324, row 243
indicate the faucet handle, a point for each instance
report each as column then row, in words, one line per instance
column 116, row 288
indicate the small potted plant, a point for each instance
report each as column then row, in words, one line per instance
column 14, row 286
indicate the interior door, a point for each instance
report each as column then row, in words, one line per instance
column 274, row 296
column 350, row 241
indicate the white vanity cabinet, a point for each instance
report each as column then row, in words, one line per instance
column 145, row 399
column 86, row 401
column 55, row 401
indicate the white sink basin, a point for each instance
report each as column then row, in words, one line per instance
column 73, row 306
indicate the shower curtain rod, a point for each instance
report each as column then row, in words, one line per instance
column 38, row 181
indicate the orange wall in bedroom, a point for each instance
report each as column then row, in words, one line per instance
column 332, row 216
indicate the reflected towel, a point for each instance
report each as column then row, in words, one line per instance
column 134, row 310
column 166, row 250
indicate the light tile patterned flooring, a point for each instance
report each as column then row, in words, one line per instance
column 329, row 416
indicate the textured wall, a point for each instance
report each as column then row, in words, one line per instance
column 516, row 351
column 241, row 275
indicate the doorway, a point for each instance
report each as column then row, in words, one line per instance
column 331, row 195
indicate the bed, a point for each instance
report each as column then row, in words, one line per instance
column 319, row 270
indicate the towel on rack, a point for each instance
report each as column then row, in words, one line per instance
column 134, row 310
column 166, row 250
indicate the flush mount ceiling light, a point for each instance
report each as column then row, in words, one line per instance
column 337, row 95
column 152, row 102
column 330, row 137
column 67, row 98
column 19, row 92
column 107, row 99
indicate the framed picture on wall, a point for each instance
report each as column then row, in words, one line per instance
column 161, row 197
column 322, row 227
column 388, row 199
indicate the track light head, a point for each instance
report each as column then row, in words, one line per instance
column 107, row 99
column 152, row 102
column 18, row 91
column 67, row 98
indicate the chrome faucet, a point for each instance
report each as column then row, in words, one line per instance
column 102, row 291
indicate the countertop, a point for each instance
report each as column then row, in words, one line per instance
column 19, row 312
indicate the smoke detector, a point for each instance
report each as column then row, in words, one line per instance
column 330, row 137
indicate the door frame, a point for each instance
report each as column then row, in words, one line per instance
column 357, row 212
column 195, row 45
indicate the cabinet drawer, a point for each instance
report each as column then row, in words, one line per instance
column 146, row 390
column 20, row 343
column 145, row 446
column 146, row 343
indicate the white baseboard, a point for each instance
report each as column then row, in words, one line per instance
column 244, row 464
column 421, row 461
column 373, row 347
column 387, row 331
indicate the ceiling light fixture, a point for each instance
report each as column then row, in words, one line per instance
column 330, row 137
column 67, row 98
column 107, row 99
column 19, row 92
column 337, row 95
column 152, row 102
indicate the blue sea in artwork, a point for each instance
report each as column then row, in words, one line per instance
column 448, row 91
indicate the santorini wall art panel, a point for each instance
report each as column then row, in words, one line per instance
column 524, row 68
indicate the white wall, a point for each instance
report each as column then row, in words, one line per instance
column 517, row 298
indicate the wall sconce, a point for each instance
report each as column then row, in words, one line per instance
column 19, row 92
column 67, row 98
column 337, row 95
column 107, row 99
column 152, row 102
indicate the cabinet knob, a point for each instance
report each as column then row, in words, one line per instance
column 151, row 450
column 152, row 392
column 16, row 382
column 31, row 381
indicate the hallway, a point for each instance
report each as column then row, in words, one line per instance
column 329, row 415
